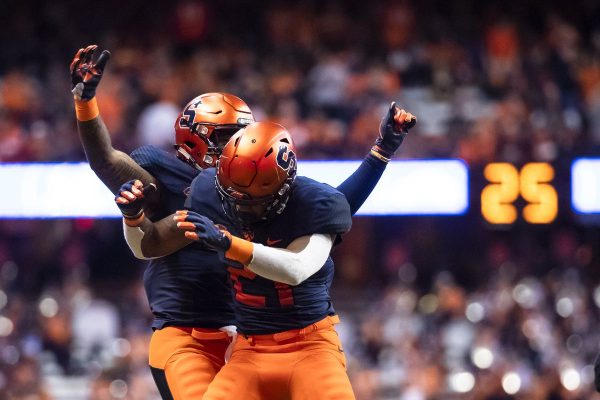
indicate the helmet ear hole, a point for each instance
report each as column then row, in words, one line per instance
column 285, row 140
column 189, row 144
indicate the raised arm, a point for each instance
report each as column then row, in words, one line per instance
column 392, row 131
column 145, row 238
column 112, row 166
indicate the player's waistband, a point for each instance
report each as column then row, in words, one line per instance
column 211, row 324
column 278, row 338
column 208, row 334
column 203, row 333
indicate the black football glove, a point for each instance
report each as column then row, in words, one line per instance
column 85, row 74
column 202, row 229
column 393, row 129
column 130, row 199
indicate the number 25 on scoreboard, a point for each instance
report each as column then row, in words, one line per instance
column 533, row 184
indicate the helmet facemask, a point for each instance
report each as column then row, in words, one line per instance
column 255, row 173
column 249, row 212
column 206, row 124
column 215, row 136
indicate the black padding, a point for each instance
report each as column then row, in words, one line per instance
column 161, row 383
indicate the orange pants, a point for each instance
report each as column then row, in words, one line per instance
column 300, row 364
column 190, row 360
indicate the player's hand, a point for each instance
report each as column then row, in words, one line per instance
column 200, row 228
column 85, row 73
column 394, row 128
column 130, row 199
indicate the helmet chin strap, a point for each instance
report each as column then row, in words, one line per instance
column 237, row 217
column 247, row 219
column 280, row 202
column 208, row 159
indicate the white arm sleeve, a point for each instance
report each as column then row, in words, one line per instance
column 294, row 264
column 133, row 237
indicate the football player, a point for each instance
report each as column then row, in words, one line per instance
column 274, row 234
column 182, row 296
column 279, row 232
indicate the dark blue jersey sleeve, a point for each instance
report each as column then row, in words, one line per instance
column 174, row 178
column 358, row 186
column 146, row 156
column 171, row 172
column 316, row 208
column 331, row 215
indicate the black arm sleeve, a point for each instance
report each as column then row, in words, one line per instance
column 358, row 186
column 113, row 167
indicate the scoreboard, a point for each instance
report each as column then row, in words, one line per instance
column 533, row 182
column 538, row 192
column 499, row 193
column 585, row 186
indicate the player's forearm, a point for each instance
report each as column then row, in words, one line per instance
column 147, row 239
column 358, row 186
column 119, row 168
column 294, row 264
column 95, row 139
column 134, row 236
column 112, row 166
column 93, row 133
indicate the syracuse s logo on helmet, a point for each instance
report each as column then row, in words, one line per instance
column 187, row 119
column 285, row 158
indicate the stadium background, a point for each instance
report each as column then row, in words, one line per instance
column 432, row 306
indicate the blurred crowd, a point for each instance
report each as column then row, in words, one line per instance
column 427, row 315
column 487, row 315
column 488, row 82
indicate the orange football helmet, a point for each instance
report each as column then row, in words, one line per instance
column 206, row 124
column 256, row 171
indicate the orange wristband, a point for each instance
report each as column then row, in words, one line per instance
column 86, row 110
column 240, row 250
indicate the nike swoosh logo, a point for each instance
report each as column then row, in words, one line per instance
column 273, row 242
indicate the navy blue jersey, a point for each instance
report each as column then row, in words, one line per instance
column 189, row 287
column 174, row 176
column 264, row 306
